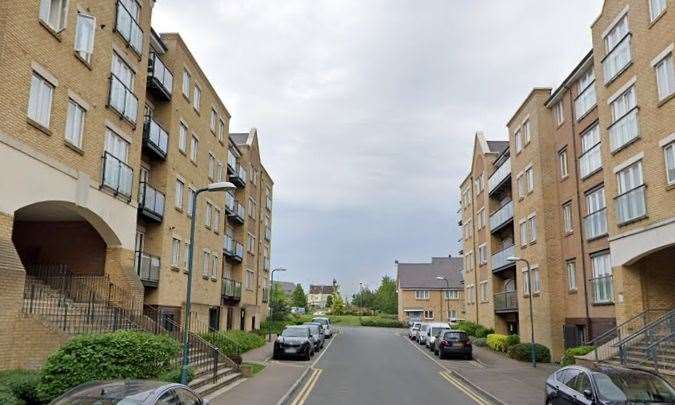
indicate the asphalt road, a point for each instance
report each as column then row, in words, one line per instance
column 377, row 366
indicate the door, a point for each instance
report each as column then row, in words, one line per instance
column 140, row 244
column 253, row 322
column 214, row 318
column 230, row 316
column 242, row 320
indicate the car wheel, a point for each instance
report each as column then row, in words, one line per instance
column 468, row 356
column 308, row 357
column 441, row 355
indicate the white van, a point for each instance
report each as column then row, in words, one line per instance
column 432, row 331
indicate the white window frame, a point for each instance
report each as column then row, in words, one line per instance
column 522, row 226
column 484, row 293
column 194, row 149
column 183, row 135
column 529, row 175
column 521, row 186
column 451, row 294
column 176, row 246
column 214, row 120
column 197, row 98
column 536, row 280
column 590, row 151
column 41, row 98
column 482, row 254
column 664, row 69
column 187, row 78
column 206, row 263
column 564, row 164
column 208, row 215
column 519, row 141
column 532, row 227
column 656, row 9
column 250, row 245
column 191, row 201
column 669, row 157
column 74, row 131
column 527, row 134
column 568, row 226
column 571, row 271
column 178, row 196
column 55, row 17
column 586, row 96
column 559, row 113
column 85, row 35
column 422, row 294
column 628, row 179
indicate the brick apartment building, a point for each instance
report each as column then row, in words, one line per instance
column 582, row 191
column 106, row 130
column 423, row 296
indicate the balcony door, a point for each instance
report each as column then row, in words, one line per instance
column 509, row 285
column 214, row 318
column 140, row 244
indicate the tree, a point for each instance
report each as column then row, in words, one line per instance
column 364, row 299
column 298, row 297
column 338, row 305
column 279, row 303
column 329, row 301
column 386, row 297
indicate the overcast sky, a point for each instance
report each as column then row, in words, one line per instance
column 366, row 111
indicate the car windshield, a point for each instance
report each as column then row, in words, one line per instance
column 424, row 327
column 294, row 332
column 455, row 335
column 435, row 331
column 633, row 387
column 321, row 321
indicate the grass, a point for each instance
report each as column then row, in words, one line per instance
column 255, row 367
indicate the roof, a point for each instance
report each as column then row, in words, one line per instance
column 239, row 138
column 286, row 286
column 498, row 146
column 423, row 275
column 574, row 75
column 321, row 289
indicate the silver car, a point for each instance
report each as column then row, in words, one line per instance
column 316, row 330
column 130, row 392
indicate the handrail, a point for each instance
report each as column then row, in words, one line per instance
column 618, row 327
column 647, row 327
column 651, row 346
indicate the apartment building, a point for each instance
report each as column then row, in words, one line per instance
column 318, row 295
column 430, row 291
column 106, row 131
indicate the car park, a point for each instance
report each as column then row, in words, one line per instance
column 604, row 384
column 414, row 330
column 138, row 392
column 453, row 343
column 294, row 341
column 327, row 327
column 433, row 333
column 317, row 334
column 422, row 334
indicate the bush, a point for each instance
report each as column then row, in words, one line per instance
column 123, row 354
column 22, row 383
column 522, row 352
column 497, row 342
column 234, row 342
column 174, row 375
column 468, row 327
column 512, row 340
column 7, row 397
column 483, row 332
column 568, row 355
column 480, row 342
column 382, row 322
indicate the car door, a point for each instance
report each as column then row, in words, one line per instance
column 564, row 386
column 187, row 398
column 581, row 383
column 169, row 397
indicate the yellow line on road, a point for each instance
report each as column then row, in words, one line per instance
column 307, row 389
column 448, row 377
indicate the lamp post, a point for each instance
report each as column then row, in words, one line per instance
column 529, row 293
column 269, row 322
column 361, row 299
column 220, row 186
column 445, row 304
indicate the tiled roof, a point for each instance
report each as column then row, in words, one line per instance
column 321, row 289
column 497, row 146
column 423, row 275
column 239, row 138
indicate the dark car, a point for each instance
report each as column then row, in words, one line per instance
column 137, row 392
column 604, row 385
column 317, row 334
column 453, row 342
column 294, row 341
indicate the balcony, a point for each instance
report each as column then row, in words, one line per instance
column 155, row 139
column 617, row 60
column 160, row 79
column 506, row 301
column 237, row 214
column 234, row 251
column 265, row 295
column 498, row 260
column 595, row 224
column 122, row 99
column 590, row 161
column 624, row 130
column 230, row 291
column 147, row 268
column 502, row 217
column 500, row 176
column 151, row 202
column 238, row 177
column 631, row 206
column 128, row 27
column 230, row 203
column 602, row 289
column 231, row 162
column 117, row 176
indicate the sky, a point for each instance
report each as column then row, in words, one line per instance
column 366, row 111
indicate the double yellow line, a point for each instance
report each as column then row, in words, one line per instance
column 459, row 385
column 309, row 386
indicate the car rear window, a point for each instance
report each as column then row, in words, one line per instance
column 435, row 331
column 455, row 335
column 294, row 332
column 633, row 387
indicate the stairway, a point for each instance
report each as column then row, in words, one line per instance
column 638, row 356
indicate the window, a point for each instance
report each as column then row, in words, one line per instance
column 519, row 141
column 194, row 147
column 520, row 180
column 527, row 136
column 601, row 283
column 479, row 184
column 186, row 83
column 656, row 8
column 216, row 220
column 529, row 175
column 128, row 12
column 251, row 244
column 523, row 233
column 428, row 314
column 468, row 230
column 567, row 217
column 469, row 261
column 175, row 252
column 586, row 98
column 208, row 215
column 590, row 160
column 220, row 171
column 559, row 113
column 251, row 207
column 595, row 223
column 532, row 222
column 221, row 130
column 422, row 294
column 197, row 101
column 564, row 169
column 212, row 167
column 452, row 294
column 182, row 136
column 480, row 218
column 84, row 36
column 571, row 268
column 54, row 13
column 214, row 120
column 665, row 76
column 117, row 175
column 75, row 124
column 191, row 201
column 179, row 193
column 122, row 97
column 186, row 256
column 483, row 291
column 40, row 100
column 669, row 152
column 482, row 254
column 206, row 261
column 624, row 126
column 452, row 314
column 617, row 48
column 250, row 280
column 535, row 278
column 214, row 266
column 630, row 202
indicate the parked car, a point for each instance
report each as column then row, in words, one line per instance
column 422, row 334
column 414, row 329
column 433, row 332
column 317, row 334
column 294, row 341
column 141, row 392
column 327, row 328
column 453, row 342
column 605, row 384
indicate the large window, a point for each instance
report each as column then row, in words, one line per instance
column 630, row 202
column 117, row 174
column 595, row 222
column 84, row 36
column 567, row 217
column 40, row 100
column 482, row 254
column 122, row 97
column 665, row 76
column 586, row 98
column 523, row 233
column 564, row 168
column 624, row 126
column 656, row 8
column 75, row 124
column 535, row 278
column 54, row 13
column 180, row 186
column 452, row 294
column 590, row 160
column 601, row 283
column 422, row 294
column 128, row 12
column 669, row 152
column 571, row 269
column 617, row 49
column 483, row 291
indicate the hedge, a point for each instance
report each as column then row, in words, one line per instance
column 522, row 352
column 474, row 329
column 497, row 342
column 22, row 384
column 382, row 322
column 234, row 342
column 7, row 397
column 512, row 340
column 568, row 355
column 118, row 355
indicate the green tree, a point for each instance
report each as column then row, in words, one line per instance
column 364, row 299
column 337, row 305
column 298, row 297
column 386, row 298
column 329, row 301
column 279, row 303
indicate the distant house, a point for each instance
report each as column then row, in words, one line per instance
column 318, row 295
column 286, row 286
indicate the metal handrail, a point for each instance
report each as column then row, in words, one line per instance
column 658, row 321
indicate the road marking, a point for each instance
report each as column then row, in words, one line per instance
column 307, row 389
column 449, row 378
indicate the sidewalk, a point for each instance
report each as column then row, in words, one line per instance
column 511, row 381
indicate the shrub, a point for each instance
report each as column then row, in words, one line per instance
column 483, row 332
column 568, row 355
column 7, row 397
column 123, row 354
column 468, row 327
column 512, row 340
column 22, row 383
column 480, row 342
column 234, row 342
column 522, row 352
column 174, row 375
column 382, row 322
column 497, row 342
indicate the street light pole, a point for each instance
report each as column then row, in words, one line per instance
column 529, row 293
column 222, row 186
column 361, row 299
column 269, row 321
column 445, row 304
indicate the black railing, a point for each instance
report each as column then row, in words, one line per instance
column 147, row 268
column 631, row 205
column 231, row 290
column 506, row 301
column 129, row 28
column 155, row 138
column 238, row 213
column 117, row 175
column 650, row 337
column 151, row 202
column 160, row 77
column 122, row 99
column 238, row 177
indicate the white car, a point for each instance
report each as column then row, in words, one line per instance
column 414, row 329
column 433, row 332
column 325, row 323
column 422, row 334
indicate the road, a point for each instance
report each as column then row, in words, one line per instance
column 379, row 366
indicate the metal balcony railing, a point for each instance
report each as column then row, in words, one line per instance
column 501, row 174
column 155, row 138
column 160, row 77
column 238, row 213
column 117, row 175
column 231, row 161
column 233, row 249
column 624, row 130
column 631, row 205
column 602, row 289
column 122, row 99
column 500, row 217
column 151, row 202
column 147, row 268
column 595, row 224
column 506, row 301
column 129, row 28
column 498, row 260
column 239, row 176
column 230, row 203
column 617, row 59
column 590, row 161
column 231, row 289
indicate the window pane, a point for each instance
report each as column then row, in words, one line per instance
column 74, row 124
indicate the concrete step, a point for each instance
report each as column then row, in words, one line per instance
column 220, row 384
column 206, row 378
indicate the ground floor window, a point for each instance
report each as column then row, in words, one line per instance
column 428, row 314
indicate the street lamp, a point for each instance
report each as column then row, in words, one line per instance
column 529, row 293
column 445, row 306
column 220, row 186
column 361, row 299
column 269, row 321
